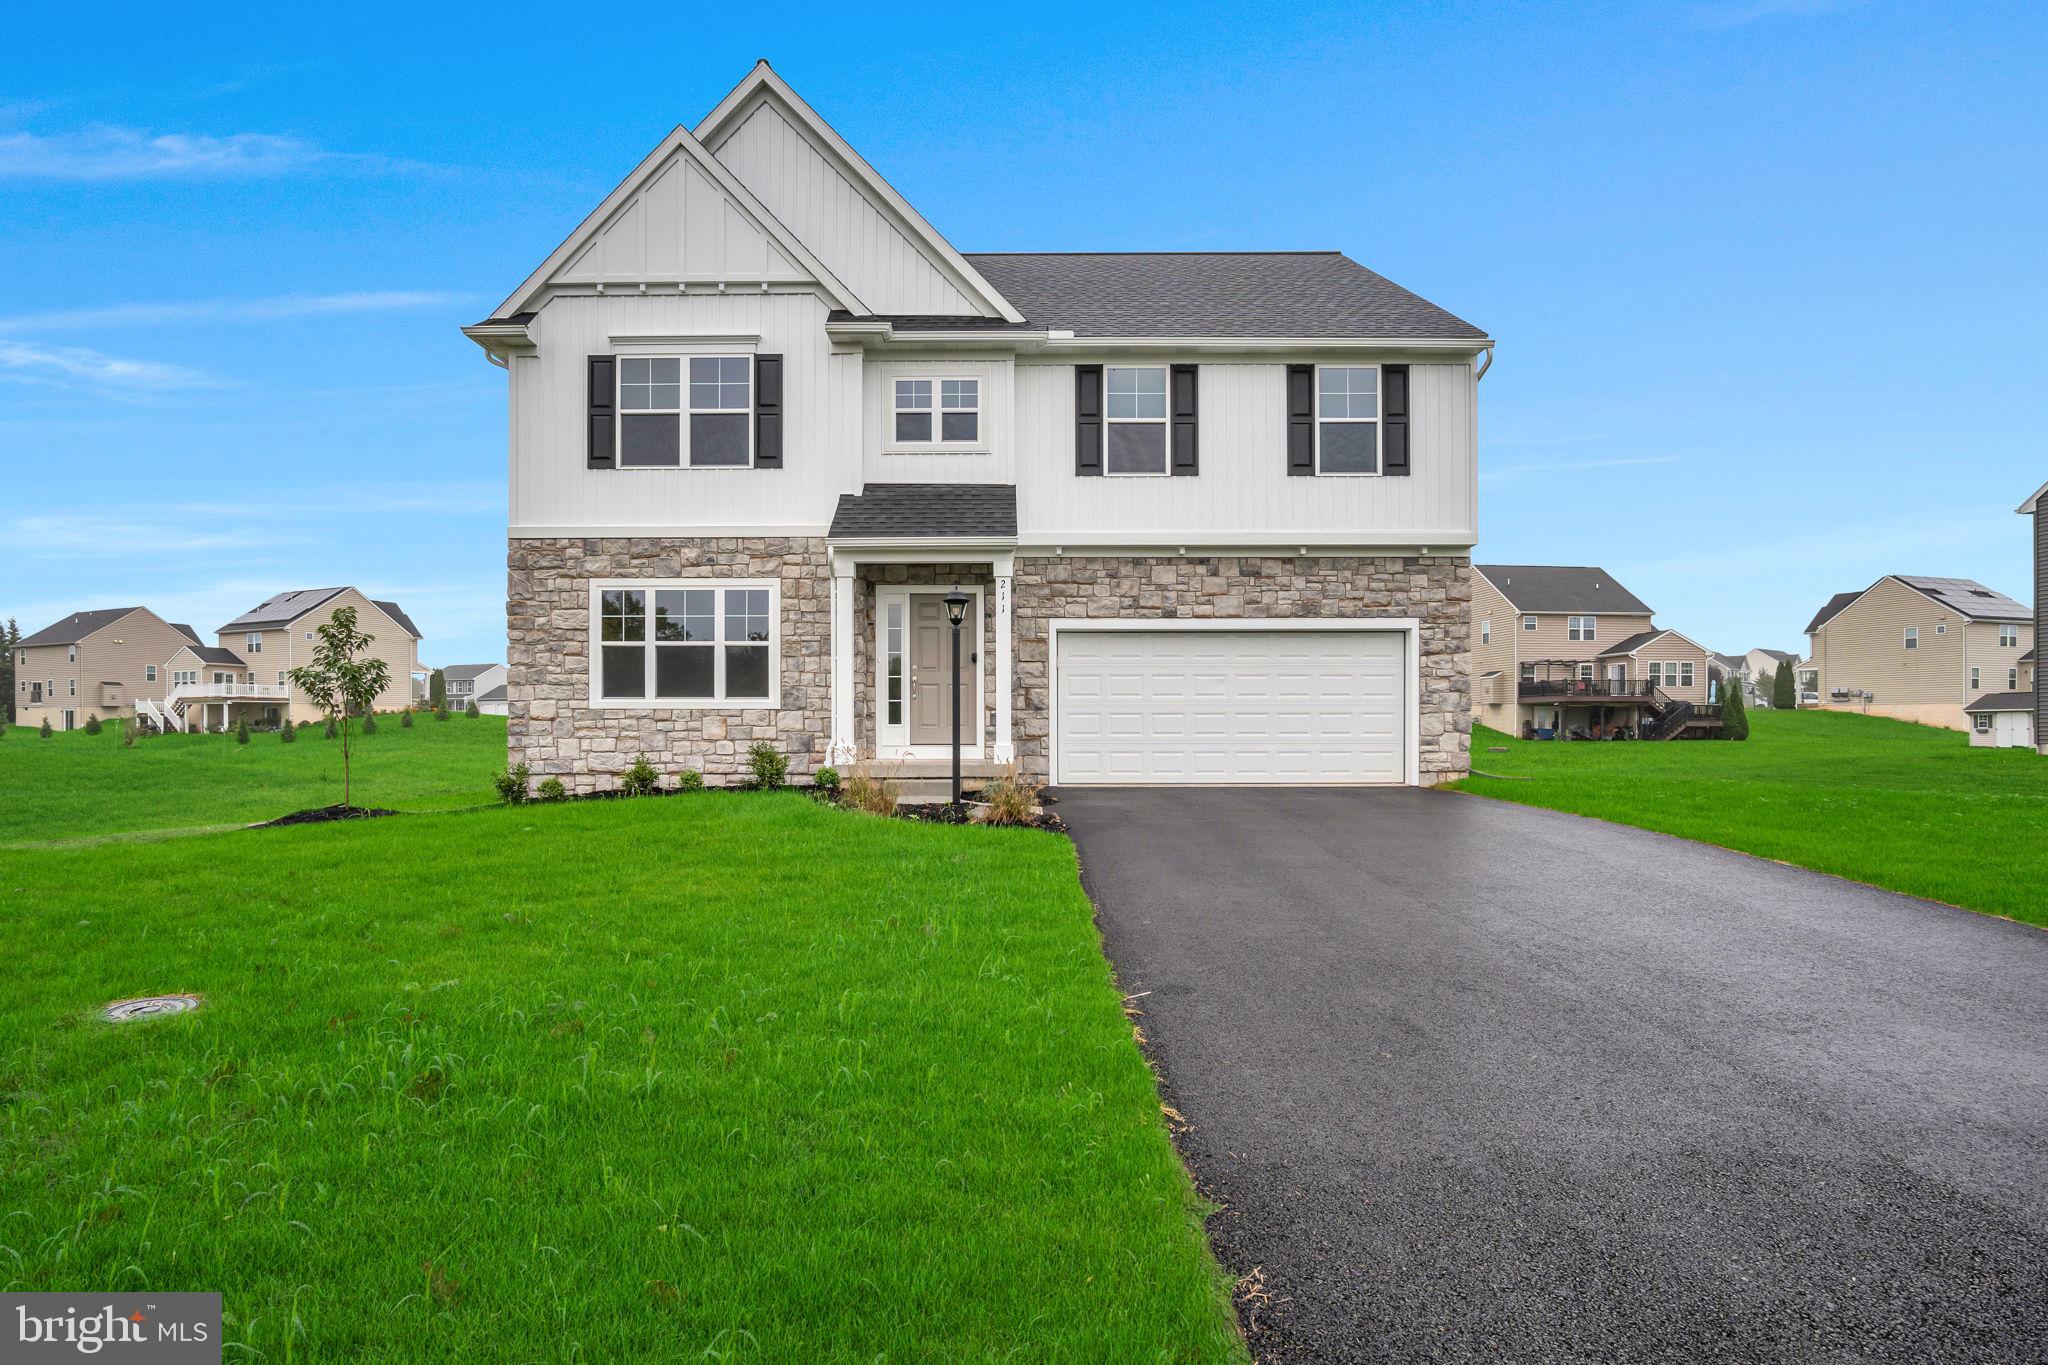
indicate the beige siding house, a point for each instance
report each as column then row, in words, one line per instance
column 1567, row 651
column 2036, row 508
column 246, row 677
column 94, row 664
column 1918, row 649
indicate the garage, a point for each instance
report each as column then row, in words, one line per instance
column 1244, row 703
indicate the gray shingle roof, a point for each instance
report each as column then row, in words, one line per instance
column 2028, row 657
column 1831, row 610
column 391, row 609
column 1780, row 655
column 2001, row 701
column 185, row 631
column 495, row 694
column 214, row 654
column 1970, row 598
column 927, row 509
column 1633, row 643
column 76, row 627
column 282, row 609
column 1562, row 587
column 1214, row 294
column 463, row 672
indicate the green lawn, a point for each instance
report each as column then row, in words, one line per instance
column 720, row 1077
column 74, row 784
column 1907, row 807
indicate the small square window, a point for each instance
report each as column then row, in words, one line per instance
column 1983, row 724
column 1528, row 623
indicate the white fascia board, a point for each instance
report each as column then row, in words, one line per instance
column 763, row 84
column 911, row 548
column 590, row 532
column 2033, row 504
column 1271, row 542
column 679, row 140
column 1469, row 346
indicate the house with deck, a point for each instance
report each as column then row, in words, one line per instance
column 1918, row 648
column 2036, row 509
column 93, row 664
column 1565, row 651
column 1195, row 516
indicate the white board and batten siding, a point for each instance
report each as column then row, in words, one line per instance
column 1244, row 489
column 991, row 460
column 679, row 226
column 808, row 194
column 1239, row 705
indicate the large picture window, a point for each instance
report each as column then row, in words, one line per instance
column 695, row 411
column 1347, row 419
column 699, row 642
column 1135, row 428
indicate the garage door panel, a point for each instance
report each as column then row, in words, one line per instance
column 1223, row 706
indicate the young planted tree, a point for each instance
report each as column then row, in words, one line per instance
column 437, row 691
column 1734, row 718
column 1785, row 689
column 341, row 682
column 10, row 636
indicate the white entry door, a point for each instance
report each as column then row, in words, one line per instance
column 1231, row 706
column 2013, row 729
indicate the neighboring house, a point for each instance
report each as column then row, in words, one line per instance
column 1918, row 649
column 469, row 682
column 1759, row 664
column 1566, row 650
column 2002, row 720
column 1211, row 512
column 245, row 677
column 93, row 663
column 492, row 702
column 2037, row 508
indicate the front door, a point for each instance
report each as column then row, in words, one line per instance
column 931, row 678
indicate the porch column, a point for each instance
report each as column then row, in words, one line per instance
column 1006, row 685
column 840, row 749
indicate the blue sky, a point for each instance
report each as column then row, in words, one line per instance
column 1766, row 274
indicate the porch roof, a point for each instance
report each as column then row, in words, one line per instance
column 882, row 511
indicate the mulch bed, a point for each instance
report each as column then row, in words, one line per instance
column 322, row 816
column 963, row 814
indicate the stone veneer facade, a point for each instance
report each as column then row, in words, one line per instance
column 548, row 618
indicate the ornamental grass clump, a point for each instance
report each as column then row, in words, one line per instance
column 1012, row 799
column 865, row 789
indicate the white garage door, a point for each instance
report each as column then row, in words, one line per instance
column 2013, row 729
column 1231, row 706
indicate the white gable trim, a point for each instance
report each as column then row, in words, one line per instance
column 761, row 85
column 679, row 142
column 2034, row 504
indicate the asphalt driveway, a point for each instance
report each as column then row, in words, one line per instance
column 1479, row 1081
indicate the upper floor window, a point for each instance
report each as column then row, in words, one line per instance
column 2012, row 680
column 1912, row 637
column 253, row 643
column 938, row 411
column 2009, row 636
column 1528, row 623
column 1976, row 685
column 1580, row 627
column 1347, row 419
column 1134, row 439
column 686, row 643
column 1486, row 632
column 71, row 655
column 654, row 401
column 149, row 672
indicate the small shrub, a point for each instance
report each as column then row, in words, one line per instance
column 866, row 790
column 1012, row 799
column 441, row 714
column 242, row 730
column 369, row 725
column 690, row 781
column 1734, row 718
column 127, row 736
column 640, row 779
column 405, row 719
column 551, row 789
column 769, row 767
column 92, row 725
column 287, row 733
column 512, row 785
column 826, row 780
column 471, row 711
column 45, row 731
column 333, row 730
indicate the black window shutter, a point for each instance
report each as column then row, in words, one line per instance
column 1088, row 419
column 767, row 412
column 1394, row 419
column 1301, row 420
column 603, row 410
column 1184, row 386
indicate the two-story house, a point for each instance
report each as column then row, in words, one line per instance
column 245, row 676
column 1919, row 649
column 93, row 664
column 2018, row 717
column 483, row 684
column 1566, row 651
column 1205, row 517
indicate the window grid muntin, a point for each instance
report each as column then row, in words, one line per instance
column 726, row 620
column 1347, row 396
column 709, row 389
column 1133, row 406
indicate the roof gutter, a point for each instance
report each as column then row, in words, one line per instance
column 500, row 339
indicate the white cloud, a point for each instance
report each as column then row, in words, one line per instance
column 1742, row 15
column 107, row 152
column 76, row 365
column 253, row 310
column 296, row 517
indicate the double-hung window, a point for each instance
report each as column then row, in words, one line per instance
column 149, row 672
column 252, row 643
column 1486, row 632
column 938, row 411
column 1975, row 684
column 1685, row 673
column 2009, row 637
column 666, row 422
column 1134, row 440
column 1580, row 627
column 2012, row 680
column 71, row 655
column 1982, row 722
column 1912, row 637
column 1347, row 419
column 1528, row 623
column 696, row 642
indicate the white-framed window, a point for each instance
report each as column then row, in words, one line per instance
column 1528, row 623
column 1581, row 627
column 223, row 678
column 71, row 655
column 1486, row 632
column 894, row 668
column 309, row 635
column 280, row 677
column 674, row 643
column 184, row 677
column 1912, row 637
column 74, row 687
column 1941, row 628
column 252, row 643
column 2012, row 680
column 1685, row 673
column 938, row 411
column 149, row 672
column 1983, row 724
column 686, row 411
column 1528, row 673
column 1134, row 436
column 1585, row 672
column 1347, row 419
column 2009, row 637
column 1975, row 684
